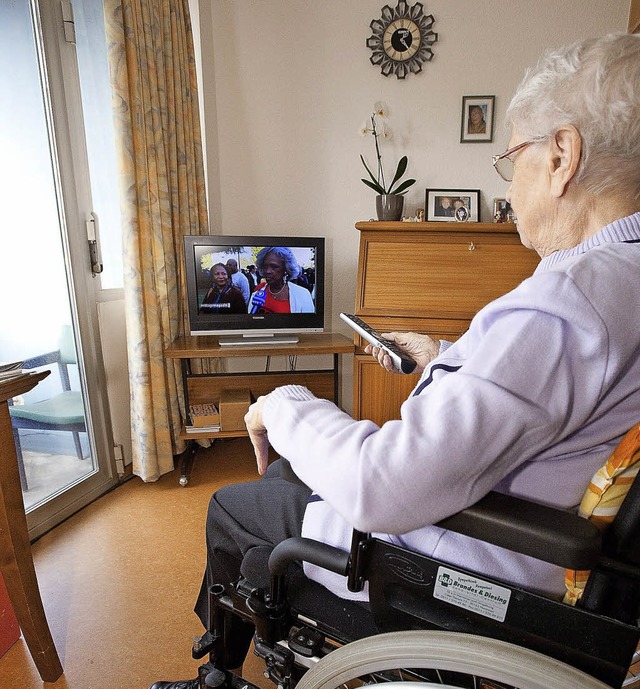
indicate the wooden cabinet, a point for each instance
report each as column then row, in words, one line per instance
column 430, row 278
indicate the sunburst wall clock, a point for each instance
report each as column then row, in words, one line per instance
column 401, row 40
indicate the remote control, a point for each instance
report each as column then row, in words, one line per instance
column 401, row 360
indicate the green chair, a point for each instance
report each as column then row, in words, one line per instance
column 62, row 412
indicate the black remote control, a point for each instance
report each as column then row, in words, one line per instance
column 401, row 360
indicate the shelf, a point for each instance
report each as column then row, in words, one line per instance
column 208, row 347
column 212, row 435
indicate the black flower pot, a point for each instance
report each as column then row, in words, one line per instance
column 389, row 206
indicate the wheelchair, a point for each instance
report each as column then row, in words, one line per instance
column 436, row 624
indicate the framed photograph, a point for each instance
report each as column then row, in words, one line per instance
column 452, row 205
column 502, row 211
column 477, row 119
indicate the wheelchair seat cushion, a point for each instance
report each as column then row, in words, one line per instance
column 603, row 498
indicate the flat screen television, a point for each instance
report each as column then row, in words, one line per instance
column 254, row 290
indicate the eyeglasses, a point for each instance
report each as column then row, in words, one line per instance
column 503, row 164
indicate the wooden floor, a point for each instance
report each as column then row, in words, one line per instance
column 119, row 579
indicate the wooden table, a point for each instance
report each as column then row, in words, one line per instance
column 199, row 388
column 16, row 561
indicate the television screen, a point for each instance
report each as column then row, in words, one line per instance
column 260, row 289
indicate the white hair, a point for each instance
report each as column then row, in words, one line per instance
column 595, row 86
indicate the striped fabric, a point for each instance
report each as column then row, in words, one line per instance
column 603, row 498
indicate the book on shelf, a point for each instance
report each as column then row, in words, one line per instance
column 214, row 428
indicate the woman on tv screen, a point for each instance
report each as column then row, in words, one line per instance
column 277, row 293
column 222, row 296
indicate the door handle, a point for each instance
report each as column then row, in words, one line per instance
column 93, row 232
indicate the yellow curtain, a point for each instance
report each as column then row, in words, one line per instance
column 152, row 65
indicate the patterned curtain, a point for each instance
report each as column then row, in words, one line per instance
column 152, row 64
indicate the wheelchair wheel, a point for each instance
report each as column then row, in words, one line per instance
column 445, row 659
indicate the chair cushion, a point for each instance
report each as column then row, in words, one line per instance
column 61, row 410
column 603, row 498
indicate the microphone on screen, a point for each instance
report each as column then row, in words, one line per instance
column 258, row 299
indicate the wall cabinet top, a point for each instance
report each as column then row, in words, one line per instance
column 451, row 227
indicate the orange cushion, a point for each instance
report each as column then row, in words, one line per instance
column 603, row 497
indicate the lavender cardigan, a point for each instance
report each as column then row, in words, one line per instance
column 530, row 401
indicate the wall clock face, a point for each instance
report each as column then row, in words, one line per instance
column 401, row 40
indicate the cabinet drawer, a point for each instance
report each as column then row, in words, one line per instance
column 378, row 394
column 444, row 275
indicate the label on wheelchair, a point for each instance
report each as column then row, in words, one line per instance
column 471, row 593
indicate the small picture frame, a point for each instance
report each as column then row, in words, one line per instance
column 502, row 211
column 452, row 205
column 477, row 119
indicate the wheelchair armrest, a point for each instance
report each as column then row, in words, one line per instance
column 306, row 549
column 546, row 533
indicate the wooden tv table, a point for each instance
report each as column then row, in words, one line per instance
column 203, row 388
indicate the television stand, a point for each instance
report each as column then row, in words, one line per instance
column 257, row 339
column 205, row 388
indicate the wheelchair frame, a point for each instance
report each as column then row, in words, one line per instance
column 407, row 591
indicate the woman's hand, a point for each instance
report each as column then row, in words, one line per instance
column 421, row 348
column 258, row 433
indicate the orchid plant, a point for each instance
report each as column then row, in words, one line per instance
column 377, row 182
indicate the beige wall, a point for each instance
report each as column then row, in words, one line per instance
column 287, row 83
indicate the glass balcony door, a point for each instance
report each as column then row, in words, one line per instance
column 49, row 293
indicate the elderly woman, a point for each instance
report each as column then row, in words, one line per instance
column 277, row 294
column 223, row 296
column 530, row 401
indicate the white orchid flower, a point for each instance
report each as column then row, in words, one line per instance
column 377, row 181
column 381, row 109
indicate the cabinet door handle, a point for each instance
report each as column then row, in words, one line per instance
column 472, row 246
